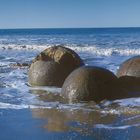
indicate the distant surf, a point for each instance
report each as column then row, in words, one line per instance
column 81, row 49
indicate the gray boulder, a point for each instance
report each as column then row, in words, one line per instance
column 90, row 83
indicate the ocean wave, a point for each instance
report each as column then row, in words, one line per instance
column 86, row 49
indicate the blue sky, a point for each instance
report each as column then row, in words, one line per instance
column 69, row 13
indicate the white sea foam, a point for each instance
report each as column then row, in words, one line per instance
column 24, row 47
column 101, row 126
column 24, row 106
column 46, row 88
column 86, row 49
column 13, row 106
column 48, row 105
column 133, row 102
column 121, row 110
column 110, row 127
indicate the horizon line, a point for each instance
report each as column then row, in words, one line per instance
column 67, row 28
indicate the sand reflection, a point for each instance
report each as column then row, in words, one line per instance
column 71, row 120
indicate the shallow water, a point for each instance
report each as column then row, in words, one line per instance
column 38, row 112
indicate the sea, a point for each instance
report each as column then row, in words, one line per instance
column 36, row 113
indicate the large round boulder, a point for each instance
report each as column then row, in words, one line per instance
column 53, row 65
column 90, row 83
column 130, row 67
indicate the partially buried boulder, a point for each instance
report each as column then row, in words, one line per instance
column 53, row 65
column 90, row 83
column 130, row 67
column 129, row 76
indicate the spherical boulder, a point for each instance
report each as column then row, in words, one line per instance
column 130, row 67
column 90, row 83
column 61, row 62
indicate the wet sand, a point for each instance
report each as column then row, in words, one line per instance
column 57, row 124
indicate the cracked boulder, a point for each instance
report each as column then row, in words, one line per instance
column 52, row 66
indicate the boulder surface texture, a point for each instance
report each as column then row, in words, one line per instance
column 90, row 83
column 130, row 67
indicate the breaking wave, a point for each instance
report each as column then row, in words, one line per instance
column 82, row 49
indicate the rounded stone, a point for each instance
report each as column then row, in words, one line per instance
column 43, row 73
column 130, row 67
column 89, row 83
column 65, row 58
